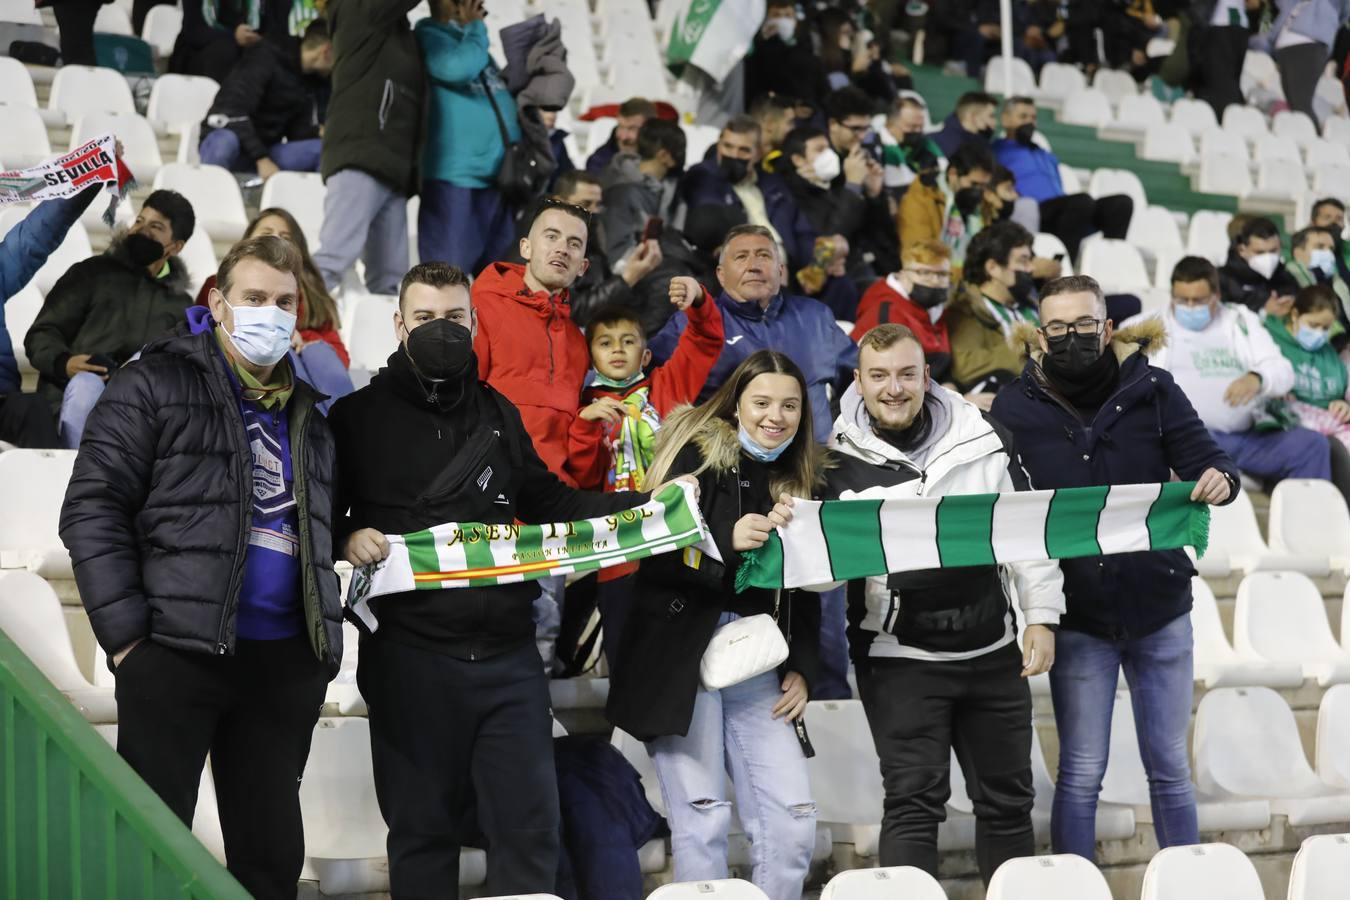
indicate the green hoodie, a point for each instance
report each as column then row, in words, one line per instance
column 1320, row 376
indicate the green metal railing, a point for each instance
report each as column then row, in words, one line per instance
column 76, row 823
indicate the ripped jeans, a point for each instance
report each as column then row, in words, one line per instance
column 733, row 732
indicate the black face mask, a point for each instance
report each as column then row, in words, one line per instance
column 1005, row 211
column 1076, row 367
column 913, row 139
column 986, row 133
column 440, row 350
column 929, row 177
column 927, row 296
column 142, row 249
column 1024, row 133
column 968, row 199
column 1073, row 353
column 1023, row 289
column 735, row 170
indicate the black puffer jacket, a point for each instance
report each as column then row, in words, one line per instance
column 269, row 98
column 158, row 510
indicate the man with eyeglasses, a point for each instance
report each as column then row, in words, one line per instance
column 1090, row 409
column 848, row 112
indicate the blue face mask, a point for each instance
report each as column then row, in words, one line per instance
column 1311, row 339
column 761, row 453
column 1193, row 318
column 1324, row 261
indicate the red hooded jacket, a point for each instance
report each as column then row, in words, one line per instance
column 883, row 302
column 531, row 351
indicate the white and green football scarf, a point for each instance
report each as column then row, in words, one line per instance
column 471, row 554
column 840, row 540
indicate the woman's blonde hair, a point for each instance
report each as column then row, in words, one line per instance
column 319, row 308
column 799, row 471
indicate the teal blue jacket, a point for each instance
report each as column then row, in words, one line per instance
column 464, row 144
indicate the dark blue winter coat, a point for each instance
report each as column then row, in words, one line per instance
column 705, row 185
column 1142, row 434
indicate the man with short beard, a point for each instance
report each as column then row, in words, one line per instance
column 105, row 309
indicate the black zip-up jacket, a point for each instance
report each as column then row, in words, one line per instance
column 1240, row 283
column 269, row 98
column 158, row 510
column 404, row 460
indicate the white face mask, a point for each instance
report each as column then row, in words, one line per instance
column 1324, row 261
column 1265, row 264
column 262, row 334
column 826, row 165
column 786, row 26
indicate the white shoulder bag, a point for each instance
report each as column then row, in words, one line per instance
column 742, row 649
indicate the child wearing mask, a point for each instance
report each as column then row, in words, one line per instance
column 610, row 443
column 1320, row 379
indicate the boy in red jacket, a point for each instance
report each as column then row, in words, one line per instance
column 610, row 441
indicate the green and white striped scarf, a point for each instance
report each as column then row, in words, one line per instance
column 471, row 554
column 840, row 540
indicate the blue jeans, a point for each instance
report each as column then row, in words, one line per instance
column 318, row 366
column 81, row 393
column 363, row 217
column 1296, row 453
column 466, row 227
column 221, row 148
column 1159, row 670
column 733, row 731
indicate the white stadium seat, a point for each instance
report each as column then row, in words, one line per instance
column 1070, row 180
column 1337, row 130
column 214, row 195
column 1225, row 174
column 1196, row 116
column 113, row 19
column 1236, row 544
column 20, row 11
column 1023, row 79
column 199, row 255
column 1155, row 229
column 178, row 102
column 1245, row 120
column 1105, row 182
column 1332, row 179
column 1320, row 868
column 1280, row 617
column 1140, row 112
column 1247, row 746
column 1059, row 80
column 1217, row 664
column 1333, row 737
column 34, row 481
column 1217, row 142
column 23, row 140
column 140, row 147
column 370, row 335
column 729, row 889
column 1308, row 518
column 1274, row 147
column 1207, row 235
column 16, row 85
column 1260, row 74
column 1116, row 264
column 77, row 90
column 1088, row 107
column 884, row 884
column 20, row 312
column 31, row 616
column 698, row 138
column 1061, row 877
column 1201, row 870
column 161, row 27
column 1048, row 246
column 1282, row 178
column 301, row 194
column 1168, row 142
column 1115, row 84
column 1126, row 781
column 1322, row 152
column 1293, row 124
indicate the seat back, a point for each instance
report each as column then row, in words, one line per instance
column 1088, row 107
column 1059, row 80
column 337, row 794
column 1023, row 78
column 19, row 11
column 1125, row 780
column 140, row 146
column 370, row 338
column 1048, row 246
column 1115, row 84
column 1332, row 179
column 199, row 255
column 1282, row 178
column 1060, row 877
column 1115, row 264
column 730, row 889
column 1196, row 116
column 1247, row 745
column 845, row 772
column 1323, row 152
column 1168, row 142
column 1201, row 870
column 1140, row 111
column 1210, row 642
column 23, row 140
column 31, row 616
column 1155, row 228
column 32, row 489
column 160, row 28
column 883, row 884
column 77, row 90
column 178, row 101
column 1277, row 147
column 1234, row 530
column 16, row 85
column 1320, row 868
column 1333, row 736
column 1105, row 182
column 302, row 195
column 1294, row 124
column 21, row 311
column 1280, row 616
column 1308, row 517
column 112, row 19
column 1225, row 173
column 214, row 195
column 1207, row 235
column 1244, row 120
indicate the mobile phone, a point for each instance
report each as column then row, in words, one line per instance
column 653, row 229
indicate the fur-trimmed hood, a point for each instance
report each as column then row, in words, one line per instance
column 1146, row 336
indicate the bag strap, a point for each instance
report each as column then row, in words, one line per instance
column 501, row 123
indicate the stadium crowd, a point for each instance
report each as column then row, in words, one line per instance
column 580, row 333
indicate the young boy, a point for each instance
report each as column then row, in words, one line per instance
column 610, row 441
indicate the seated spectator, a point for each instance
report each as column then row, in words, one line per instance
column 782, row 61
column 853, row 57
column 599, row 286
column 1039, row 25
column 962, row 33
column 318, row 355
column 916, row 297
column 1254, row 275
column 106, row 308
column 215, row 33
column 971, row 121
column 1320, row 382
column 776, row 115
column 1002, row 202
column 907, row 152
column 1329, row 213
column 611, row 441
column 463, row 220
column 1126, row 31
column 1069, row 217
column 1313, row 252
column 947, row 207
column 1231, row 370
column 998, row 294
column 633, row 114
column 849, row 124
column 265, row 117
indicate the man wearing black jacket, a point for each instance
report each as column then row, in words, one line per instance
column 271, row 95
column 458, row 698
column 1255, row 275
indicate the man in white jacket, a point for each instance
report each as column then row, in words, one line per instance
column 936, row 650
column 1228, row 365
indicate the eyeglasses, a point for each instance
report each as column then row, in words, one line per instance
column 858, row 129
column 1082, row 326
column 931, row 277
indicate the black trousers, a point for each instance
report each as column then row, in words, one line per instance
column 254, row 712
column 75, row 18
column 26, row 421
column 444, row 730
column 920, row 711
column 1073, row 217
column 1216, row 57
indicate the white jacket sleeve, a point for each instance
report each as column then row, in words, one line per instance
column 1260, row 355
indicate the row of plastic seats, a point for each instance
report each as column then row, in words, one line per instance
column 176, row 101
column 1309, row 532
column 1058, row 80
column 1225, row 173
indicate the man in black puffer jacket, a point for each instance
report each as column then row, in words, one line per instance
column 458, row 698
column 199, row 521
